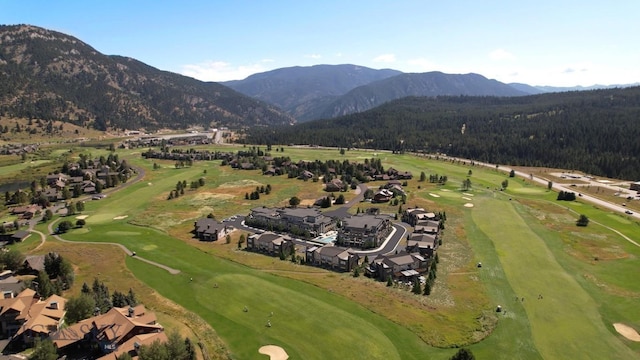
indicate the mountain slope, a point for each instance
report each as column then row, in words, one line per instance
column 304, row 91
column 594, row 131
column 417, row 84
column 52, row 76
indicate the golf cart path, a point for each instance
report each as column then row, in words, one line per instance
column 124, row 248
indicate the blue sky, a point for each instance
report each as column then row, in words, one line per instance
column 558, row 43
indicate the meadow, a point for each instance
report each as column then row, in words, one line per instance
column 527, row 242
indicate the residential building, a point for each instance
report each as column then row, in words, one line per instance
column 270, row 243
column 295, row 220
column 332, row 257
column 207, row 229
column 401, row 266
column 364, row 230
column 27, row 316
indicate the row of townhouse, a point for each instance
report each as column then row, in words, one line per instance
column 364, row 230
column 298, row 220
column 422, row 245
column 328, row 256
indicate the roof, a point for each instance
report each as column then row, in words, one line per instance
column 20, row 234
column 38, row 315
column 35, row 262
column 112, row 326
column 130, row 345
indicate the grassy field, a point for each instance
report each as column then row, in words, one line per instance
column 527, row 242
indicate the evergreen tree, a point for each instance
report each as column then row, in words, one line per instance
column 44, row 349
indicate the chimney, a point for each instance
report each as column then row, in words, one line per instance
column 53, row 305
column 132, row 311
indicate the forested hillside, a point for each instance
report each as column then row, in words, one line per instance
column 594, row 131
column 52, row 76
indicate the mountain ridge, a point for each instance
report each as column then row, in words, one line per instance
column 53, row 76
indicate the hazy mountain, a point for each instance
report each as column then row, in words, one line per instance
column 582, row 88
column 52, row 76
column 304, row 92
column 417, row 84
column 531, row 90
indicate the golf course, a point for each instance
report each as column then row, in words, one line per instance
column 561, row 288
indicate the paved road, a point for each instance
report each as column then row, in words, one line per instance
column 559, row 187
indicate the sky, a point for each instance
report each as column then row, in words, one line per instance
column 552, row 43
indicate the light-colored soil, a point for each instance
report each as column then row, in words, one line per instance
column 627, row 331
column 469, row 205
column 434, row 195
column 120, row 217
column 82, row 217
column 466, row 198
column 274, row 352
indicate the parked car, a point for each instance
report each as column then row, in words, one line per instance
column 628, row 212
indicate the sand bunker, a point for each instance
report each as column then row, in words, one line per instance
column 445, row 190
column 120, row 217
column 466, row 198
column 434, row 195
column 467, row 194
column 82, row 217
column 274, row 352
column 468, row 205
column 627, row 331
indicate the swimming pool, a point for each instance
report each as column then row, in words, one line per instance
column 326, row 238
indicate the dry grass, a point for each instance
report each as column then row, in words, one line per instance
column 106, row 263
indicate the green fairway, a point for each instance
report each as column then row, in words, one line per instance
column 526, row 240
column 565, row 322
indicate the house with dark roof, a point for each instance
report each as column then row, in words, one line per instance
column 286, row 219
column 270, row 243
column 334, row 185
column 364, row 230
column 401, row 266
column 414, row 215
column 332, row 257
column 207, row 229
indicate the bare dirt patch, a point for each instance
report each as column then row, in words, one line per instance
column 469, row 205
column 120, row 217
column 82, row 217
column 626, row 331
column 274, row 352
column 466, row 198
column 434, row 195
column 239, row 183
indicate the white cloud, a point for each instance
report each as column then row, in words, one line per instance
column 222, row 71
column 313, row 56
column 421, row 65
column 501, row 54
column 385, row 58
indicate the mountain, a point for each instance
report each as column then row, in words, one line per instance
column 594, row 131
column 327, row 91
column 531, row 90
column 304, row 92
column 52, row 76
column 416, row 84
